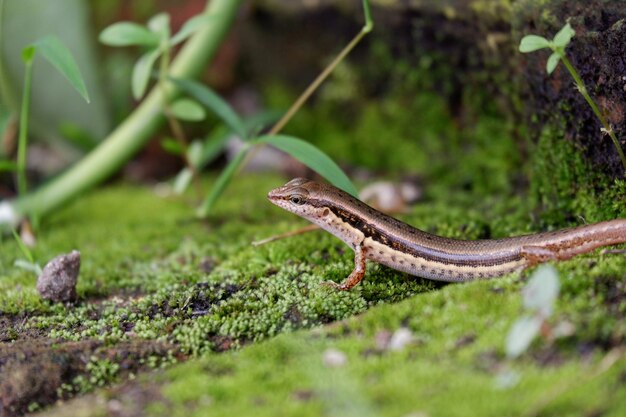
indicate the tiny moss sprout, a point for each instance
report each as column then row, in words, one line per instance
column 102, row 371
column 532, row 43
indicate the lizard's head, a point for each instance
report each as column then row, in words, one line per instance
column 300, row 196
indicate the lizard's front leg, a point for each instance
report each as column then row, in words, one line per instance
column 357, row 273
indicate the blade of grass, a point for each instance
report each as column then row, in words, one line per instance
column 367, row 28
column 23, row 248
column 60, row 57
column 28, row 54
column 221, row 183
column 312, row 157
column 141, row 72
column 128, row 34
column 213, row 102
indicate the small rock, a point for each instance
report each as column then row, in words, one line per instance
column 382, row 339
column 390, row 197
column 465, row 340
column 400, row 339
column 303, row 395
column 563, row 329
column 57, row 282
column 334, row 358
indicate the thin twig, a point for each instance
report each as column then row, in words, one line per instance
column 306, row 94
column 296, row 232
column 594, row 107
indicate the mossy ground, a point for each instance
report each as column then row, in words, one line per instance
column 158, row 286
column 252, row 323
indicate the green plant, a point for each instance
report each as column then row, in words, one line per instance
column 561, row 40
column 101, row 371
column 60, row 57
column 132, row 133
column 157, row 39
column 538, row 298
column 299, row 149
column 129, row 136
column 29, row 264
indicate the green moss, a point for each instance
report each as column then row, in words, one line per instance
column 437, row 374
column 153, row 273
column 564, row 187
column 139, row 288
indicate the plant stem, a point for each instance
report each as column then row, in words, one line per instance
column 23, row 137
column 139, row 126
column 367, row 28
column 594, row 107
column 242, row 159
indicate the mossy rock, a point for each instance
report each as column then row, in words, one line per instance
column 465, row 52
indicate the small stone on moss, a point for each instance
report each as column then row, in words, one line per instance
column 57, row 282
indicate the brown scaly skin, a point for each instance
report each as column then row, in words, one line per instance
column 383, row 239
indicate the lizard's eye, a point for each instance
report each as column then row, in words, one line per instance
column 297, row 199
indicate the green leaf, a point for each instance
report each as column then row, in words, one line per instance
column 261, row 120
column 141, row 72
column 553, row 61
column 215, row 103
column 7, row 166
column 160, row 24
column 28, row 53
column 60, row 57
column 172, row 146
column 221, row 183
column 524, row 330
column 190, row 27
column 542, row 290
column 23, row 248
column 530, row 43
column 194, row 153
column 214, row 144
column 564, row 36
column 6, row 119
column 128, row 33
column 28, row 266
column 182, row 180
column 312, row 157
column 189, row 110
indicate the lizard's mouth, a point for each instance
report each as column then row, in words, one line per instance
column 276, row 195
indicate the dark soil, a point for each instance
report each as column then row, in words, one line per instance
column 34, row 370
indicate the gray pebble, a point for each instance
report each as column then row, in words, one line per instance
column 57, row 282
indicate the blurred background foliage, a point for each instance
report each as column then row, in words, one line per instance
column 437, row 92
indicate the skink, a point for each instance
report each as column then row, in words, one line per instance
column 383, row 239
